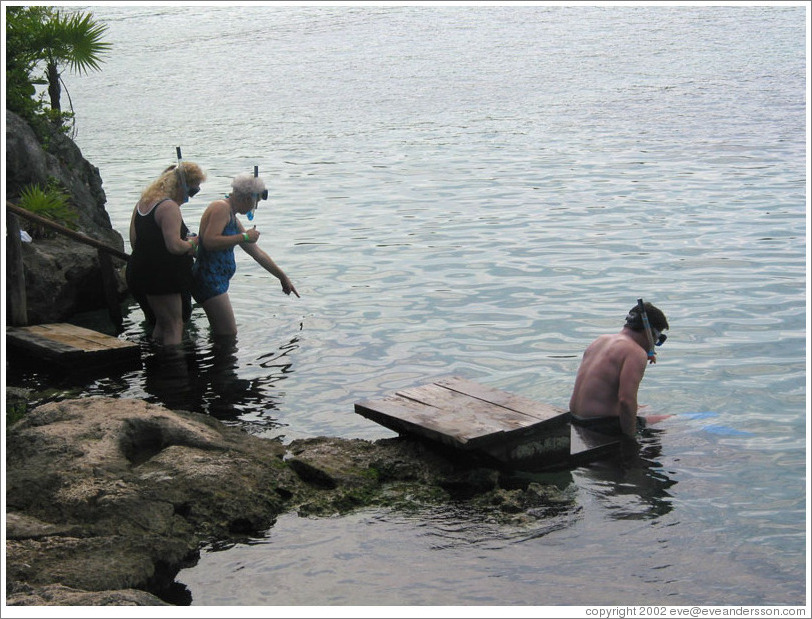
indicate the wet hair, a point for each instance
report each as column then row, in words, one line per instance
column 656, row 318
column 166, row 185
column 244, row 185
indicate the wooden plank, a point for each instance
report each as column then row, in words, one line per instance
column 534, row 446
column 514, row 402
column 466, row 398
column 78, row 337
column 587, row 446
column 72, row 345
column 31, row 342
column 76, row 236
column 409, row 417
column 470, row 416
column 463, row 406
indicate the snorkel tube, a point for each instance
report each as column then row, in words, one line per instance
column 652, row 356
column 251, row 212
column 182, row 175
column 263, row 195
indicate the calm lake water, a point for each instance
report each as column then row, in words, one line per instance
column 482, row 190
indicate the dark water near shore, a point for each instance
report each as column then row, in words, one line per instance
column 482, row 191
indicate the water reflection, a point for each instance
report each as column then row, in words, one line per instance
column 631, row 484
column 203, row 376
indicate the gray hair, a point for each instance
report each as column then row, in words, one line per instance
column 246, row 184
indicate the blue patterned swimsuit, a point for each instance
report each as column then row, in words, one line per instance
column 213, row 269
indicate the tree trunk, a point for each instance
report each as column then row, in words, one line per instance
column 54, row 89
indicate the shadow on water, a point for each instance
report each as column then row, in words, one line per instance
column 203, row 376
column 631, row 484
column 629, row 481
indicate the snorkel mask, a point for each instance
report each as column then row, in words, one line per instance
column 633, row 321
column 187, row 193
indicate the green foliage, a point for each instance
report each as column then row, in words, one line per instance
column 15, row 411
column 61, row 121
column 75, row 40
column 40, row 40
column 51, row 203
column 21, row 59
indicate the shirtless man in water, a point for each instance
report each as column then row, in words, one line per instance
column 604, row 397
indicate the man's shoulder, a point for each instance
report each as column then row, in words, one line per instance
column 620, row 344
column 611, row 339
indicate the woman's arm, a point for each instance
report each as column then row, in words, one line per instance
column 132, row 229
column 212, row 224
column 267, row 263
column 168, row 217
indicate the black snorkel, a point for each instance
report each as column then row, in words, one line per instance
column 652, row 355
column 182, row 176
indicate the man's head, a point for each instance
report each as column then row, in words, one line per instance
column 656, row 318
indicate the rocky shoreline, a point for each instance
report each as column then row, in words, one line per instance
column 62, row 277
column 108, row 499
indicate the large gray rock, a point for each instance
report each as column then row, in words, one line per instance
column 103, row 494
column 62, row 277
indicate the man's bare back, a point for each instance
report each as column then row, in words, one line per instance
column 609, row 377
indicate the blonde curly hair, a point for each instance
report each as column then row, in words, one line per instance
column 167, row 184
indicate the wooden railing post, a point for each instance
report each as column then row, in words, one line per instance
column 16, row 274
column 110, row 290
column 18, row 308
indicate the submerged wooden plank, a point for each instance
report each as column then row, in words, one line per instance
column 534, row 445
column 69, row 344
column 588, row 446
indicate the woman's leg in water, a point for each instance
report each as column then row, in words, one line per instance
column 221, row 315
column 168, row 319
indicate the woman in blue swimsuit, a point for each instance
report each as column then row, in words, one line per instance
column 220, row 233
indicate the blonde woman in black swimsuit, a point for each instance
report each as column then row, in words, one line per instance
column 159, row 271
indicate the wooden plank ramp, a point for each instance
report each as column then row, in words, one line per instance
column 472, row 417
column 72, row 346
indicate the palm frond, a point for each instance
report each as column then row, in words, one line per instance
column 85, row 41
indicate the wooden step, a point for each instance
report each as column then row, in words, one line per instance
column 473, row 417
column 71, row 346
